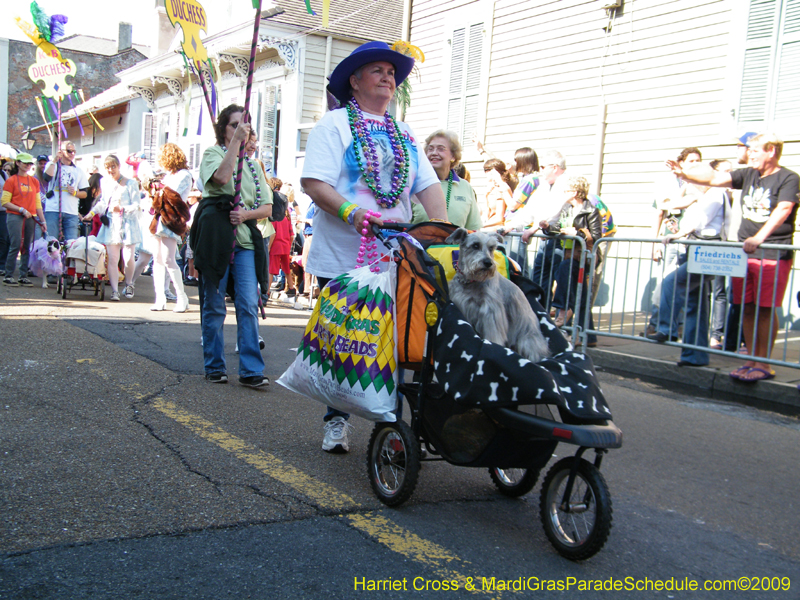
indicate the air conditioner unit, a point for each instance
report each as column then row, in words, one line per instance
column 609, row 4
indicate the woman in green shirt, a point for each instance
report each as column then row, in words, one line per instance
column 229, row 249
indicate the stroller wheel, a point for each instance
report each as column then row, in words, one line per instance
column 514, row 482
column 393, row 462
column 577, row 526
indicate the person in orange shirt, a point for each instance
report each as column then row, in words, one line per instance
column 21, row 199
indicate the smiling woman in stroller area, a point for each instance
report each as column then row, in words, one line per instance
column 119, row 213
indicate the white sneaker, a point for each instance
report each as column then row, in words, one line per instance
column 128, row 291
column 170, row 296
column 336, row 436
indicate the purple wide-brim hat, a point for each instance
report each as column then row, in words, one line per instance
column 367, row 53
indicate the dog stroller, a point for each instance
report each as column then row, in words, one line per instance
column 477, row 404
column 84, row 265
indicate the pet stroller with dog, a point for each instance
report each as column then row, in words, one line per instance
column 84, row 266
column 477, row 404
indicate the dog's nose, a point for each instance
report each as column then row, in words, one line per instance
column 486, row 263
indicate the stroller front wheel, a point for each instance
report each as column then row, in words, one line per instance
column 514, row 482
column 393, row 462
column 578, row 525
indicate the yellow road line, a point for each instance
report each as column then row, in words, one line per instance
column 326, row 496
column 379, row 528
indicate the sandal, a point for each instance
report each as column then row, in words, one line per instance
column 736, row 374
column 763, row 375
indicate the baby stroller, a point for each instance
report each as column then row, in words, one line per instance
column 476, row 404
column 84, row 265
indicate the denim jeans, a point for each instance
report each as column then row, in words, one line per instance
column 566, row 294
column 720, row 303
column 70, row 224
column 672, row 254
column 251, row 363
column 19, row 243
column 545, row 265
column 4, row 245
column 674, row 290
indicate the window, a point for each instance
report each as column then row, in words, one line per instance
column 150, row 136
column 268, row 138
column 466, row 71
column 769, row 95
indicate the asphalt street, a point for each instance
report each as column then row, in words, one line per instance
column 123, row 474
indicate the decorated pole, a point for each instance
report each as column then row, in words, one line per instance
column 51, row 69
column 237, row 189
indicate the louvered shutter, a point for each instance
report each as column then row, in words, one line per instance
column 787, row 94
column 455, row 100
column 472, row 88
column 269, row 128
column 464, row 84
column 150, row 136
column 770, row 90
column 762, row 27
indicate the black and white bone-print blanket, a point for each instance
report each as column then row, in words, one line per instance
column 476, row 372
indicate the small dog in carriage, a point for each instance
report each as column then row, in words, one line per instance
column 46, row 259
column 493, row 305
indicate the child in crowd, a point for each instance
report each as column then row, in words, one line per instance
column 280, row 251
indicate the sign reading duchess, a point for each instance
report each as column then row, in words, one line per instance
column 191, row 17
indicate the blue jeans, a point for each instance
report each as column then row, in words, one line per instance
column 251, row 363
column 567, row 291
column 3, row 239
column 70, row 224
column 20, row 238
column 545, row 264
column 674, row 290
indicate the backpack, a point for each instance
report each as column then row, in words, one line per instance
column 279, row 205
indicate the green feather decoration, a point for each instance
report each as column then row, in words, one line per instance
column 41, row 20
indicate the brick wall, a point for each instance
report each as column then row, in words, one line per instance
column 95, row 73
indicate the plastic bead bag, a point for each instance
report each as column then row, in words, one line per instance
column 347, row 358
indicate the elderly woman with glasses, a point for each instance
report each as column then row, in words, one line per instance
column 578, row 218
column 444, row 153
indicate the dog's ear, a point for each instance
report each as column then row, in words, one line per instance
column 498, row 237
column 457, row 236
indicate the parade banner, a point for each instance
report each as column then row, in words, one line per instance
column 53, row 72
column 190, row 16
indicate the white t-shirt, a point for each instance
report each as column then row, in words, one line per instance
column 705, row 217
column 330, row 158
column 543, row 205
column 70, row 175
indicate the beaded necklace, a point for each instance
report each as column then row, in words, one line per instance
column 449, row 188
column 369, row 247
column 367, row 156
column 252, row 168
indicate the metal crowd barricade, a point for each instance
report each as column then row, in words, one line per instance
column 630, row 275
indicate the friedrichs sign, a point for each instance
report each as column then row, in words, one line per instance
column 717, row 260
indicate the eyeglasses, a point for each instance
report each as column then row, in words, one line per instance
column 70, row 151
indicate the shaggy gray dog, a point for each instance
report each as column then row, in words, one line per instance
column 495, row 307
